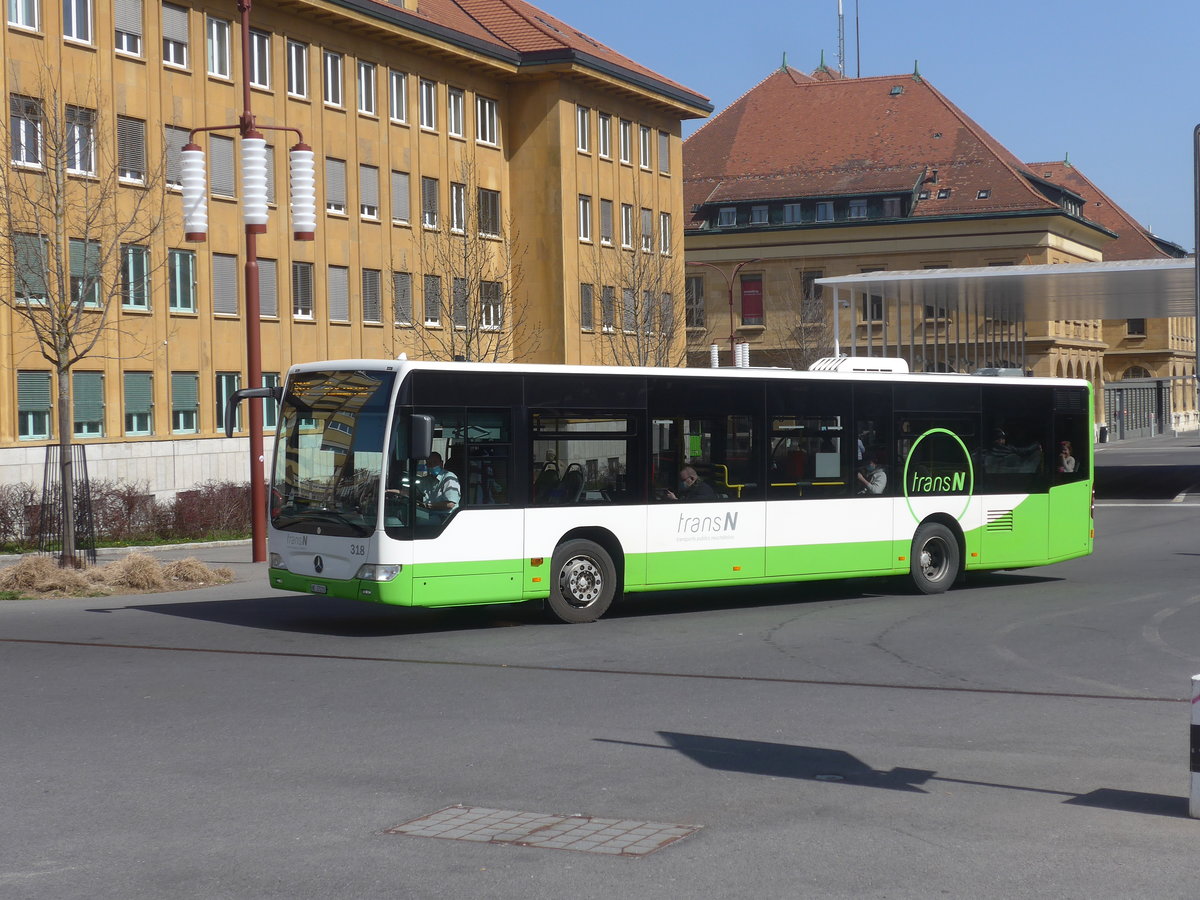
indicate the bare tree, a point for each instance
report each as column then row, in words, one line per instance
column 474, row 306
column 806, row 333
column 79, row 206
column 641, row 296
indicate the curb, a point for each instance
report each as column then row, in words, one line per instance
column 122, row 551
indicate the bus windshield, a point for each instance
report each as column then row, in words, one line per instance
column 329, row 457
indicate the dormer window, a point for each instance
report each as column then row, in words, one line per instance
column 858, row 209
column 792, row 213
column 825, row 211
column 891, row 207
column 758, row 215
column 727, row 217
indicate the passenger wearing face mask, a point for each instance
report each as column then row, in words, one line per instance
column 443, row 498
column 691, row 487
column 872, row 478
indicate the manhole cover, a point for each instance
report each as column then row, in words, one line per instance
column 588, row 834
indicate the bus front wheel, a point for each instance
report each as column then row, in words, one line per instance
column 935, row 558
column 584, row 582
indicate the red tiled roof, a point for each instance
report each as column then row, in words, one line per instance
column 792, row 136
column 1133, row 241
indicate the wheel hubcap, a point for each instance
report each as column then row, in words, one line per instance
column 933, row 560
column 580, row 582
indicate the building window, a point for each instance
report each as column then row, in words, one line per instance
column 401, row 201
column 398, row 96
column 175, row 35
column 33, row 405
column 131, row 149
column 429, row 202
column 333, row 79
column 664, row 234
column 727, row 217
column 85, row 272
column 368, row 192
column 627, row 226
column 139, row 403
column 81, row 140
column 604, row 135
column 872, row 308
column 302, row 290
column 29, row 268
column 983, row 194
column 583, row 129
column 25, row 130
column 792, row 213
column 135, row 277
column 891, row 207
column 181, row 280
column 606, row 222
column 647, row 231
column 224, row 284
column 127, row 17
column 433, row 300
column 491, row 305
column 759, row 215
column 372, row 307
column 297, row 68
column 626, row 141
column 752, row 300
column 268, row 289
column 428, row 104
column 337, row 289
column 227, row 385
column 458, row 207
column 218, row 47
column 489, row 213
column 335, row 186
column 1135, row 327
column 608, row 307
column 694, row 301
column 366, row 88
column 185, row 402
column 644, row 148
column 586, row 307
column 825, row 211
column 222, row 171
column 943, row 193
column 858, row 209
column 664, row 153
column 270, row 407
column 485, row 121
column 585, row 217
column 455, row 112
column 77, row 20
column 87, row 401
column 23, row 14
column 629, row 312
column 175, row 138
column 402, row 298
column 458, row 295
column 260, row 59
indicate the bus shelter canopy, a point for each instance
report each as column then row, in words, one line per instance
column 1126, row 289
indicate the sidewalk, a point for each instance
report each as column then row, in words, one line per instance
column 232, row 555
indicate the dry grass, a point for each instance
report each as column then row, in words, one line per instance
column 136, row 573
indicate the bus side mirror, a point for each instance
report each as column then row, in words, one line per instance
column 420, row 431
column 276, row 393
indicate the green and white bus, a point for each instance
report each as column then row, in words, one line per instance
column 565, row 479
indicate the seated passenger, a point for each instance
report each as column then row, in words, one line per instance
column 691, row 487
column 872, row 479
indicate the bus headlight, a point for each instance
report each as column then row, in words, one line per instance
column 275, row 561
column 376, row 572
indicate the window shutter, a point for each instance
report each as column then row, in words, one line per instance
column 176, row 139
column 131, row 145
column 88, row 394
column 175, row 23
column 459, row 289
column 127, row 15
column 339, row 294
column 224, row 284
column 221, row 170
column 429, row 200
column 370, row 296
column 184, row 391
column 268, row 288
column 402, row 297
column 33, row 391
column 270, row 174
column 29, row 253
column 368, row 186
column 139, row 395
column 335, row 181
column 401, row 202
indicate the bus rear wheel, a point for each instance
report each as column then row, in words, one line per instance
column 584, row 582
column 935, row 558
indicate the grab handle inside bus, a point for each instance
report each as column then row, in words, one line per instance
column 237, row 397
column 420, row 436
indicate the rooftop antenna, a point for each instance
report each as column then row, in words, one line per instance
column 841, row 41
column 857, row 45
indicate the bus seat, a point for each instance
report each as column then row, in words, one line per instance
column 571, row 485
column 545, row 484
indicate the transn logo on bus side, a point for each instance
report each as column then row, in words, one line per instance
column 954, row 483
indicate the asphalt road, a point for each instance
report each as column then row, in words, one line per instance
column 1023, row 736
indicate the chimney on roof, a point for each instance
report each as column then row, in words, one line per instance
column 933, row 176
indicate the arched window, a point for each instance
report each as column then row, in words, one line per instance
column 1136, row 372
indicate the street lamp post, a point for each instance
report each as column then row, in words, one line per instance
column 254, row 216
column 729, row 279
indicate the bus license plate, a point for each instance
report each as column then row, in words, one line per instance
column 318, row 588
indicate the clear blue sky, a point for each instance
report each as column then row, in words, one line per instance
column 1113, row 83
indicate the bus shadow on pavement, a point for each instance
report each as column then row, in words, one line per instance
column 834, row 766
column 1144, row 482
